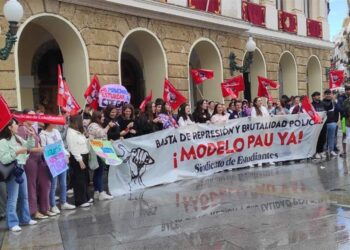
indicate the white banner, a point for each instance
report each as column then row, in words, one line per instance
column 201, row 150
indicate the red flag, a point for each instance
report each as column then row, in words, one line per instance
column 309, row 109
column 5, row 116
column 233, row 86
column 51, row 119
column 91, row 93
column 61, row 90
column 336, row 78
column 145, row 101
column 65, row 99
column 172, row 96
column 262, row 88
column 200, row 75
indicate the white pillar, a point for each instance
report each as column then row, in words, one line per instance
column 178, row 2
column 231, row 8
column 271, row 15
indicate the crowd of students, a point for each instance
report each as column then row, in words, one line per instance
column 34, row 189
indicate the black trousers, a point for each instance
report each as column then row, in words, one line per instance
column 322, row 139
column 80, row 180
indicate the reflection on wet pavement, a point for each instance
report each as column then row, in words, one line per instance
column 300, row 206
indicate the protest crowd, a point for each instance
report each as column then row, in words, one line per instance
column 40, row 196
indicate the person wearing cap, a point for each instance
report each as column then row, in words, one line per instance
column 320, row 107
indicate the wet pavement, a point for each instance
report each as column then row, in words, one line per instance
column 299, row 206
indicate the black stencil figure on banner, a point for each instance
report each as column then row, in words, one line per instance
column 137, row 160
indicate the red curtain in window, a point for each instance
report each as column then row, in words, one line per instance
column 253, row 13
column 214, row 5
column 314, row 28
column 287, row 22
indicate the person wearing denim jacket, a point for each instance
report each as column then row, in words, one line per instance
column 15, row 149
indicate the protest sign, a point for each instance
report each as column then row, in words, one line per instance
column 113, row 94
column 55, row 158
column 201, row 149
column 105, row 150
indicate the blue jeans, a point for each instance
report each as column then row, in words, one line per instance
column 62, row 178
column 98, row 175
column 331, row 127
column 17, row 192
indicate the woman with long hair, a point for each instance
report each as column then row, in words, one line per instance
column 111, row 115
column 38, row 174
column 201, row 114
column 219, row 115
column 13, row 149
column 96, row 131
column 162, row 112
column 184, row 115
column 148, row 122
column 258, row 108
column 280, row 108
column 78, row 161
column 127, row 122
column 50, row 135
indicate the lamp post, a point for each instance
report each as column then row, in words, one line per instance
column 13, row 12
column 250, row 47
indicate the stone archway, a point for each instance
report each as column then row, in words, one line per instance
column 205, row 54
column 43, row 37
column 141, row 52
column 257, row 68
column 287, row 75
column 314, row 75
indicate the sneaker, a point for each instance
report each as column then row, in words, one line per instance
column 67, row 206
column 40, row 216
column 55, row 210
column 324, row 155
column 15, row 229
column 96, row 195
column 50, row 213
column 317, row 156
column 32, row 222
column 86, row 204
column 259, row 165
column 70, row 191
column 104, row 196
column 333, row 153
column 91, row 200
column 272, row 163
column 343, row 155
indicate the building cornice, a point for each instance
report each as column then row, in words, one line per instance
column 186, row 16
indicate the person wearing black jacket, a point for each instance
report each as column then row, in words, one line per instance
column 238, row 112
column 110, row 115
column 148, row 122
column 201, row 113
column 126, row 122
column 319, row 106
column 331, row 122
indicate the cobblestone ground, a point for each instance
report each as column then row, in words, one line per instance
column 297, row 206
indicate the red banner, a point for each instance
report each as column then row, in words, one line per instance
column 145, row 101
column 50, row 119
column 254, row 13
column 213, row 6
column 5, row 116
column 336, row 78
column 201, row 75
column 287, row 22
column 314, row 28
column 91, row 93
column 309, row 109
column 172, row 96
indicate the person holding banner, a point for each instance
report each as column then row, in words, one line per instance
column 96, row 131
column 201, row 113
column 163, row 115
column 280, row 108
column 184, row 115
column 238, row 111
column 126, row 122
column 78, row 161
column 38, row 174
column 219, row 115
column 48, row 136
column 14, row 149
column 258, row 108
column 110, row 117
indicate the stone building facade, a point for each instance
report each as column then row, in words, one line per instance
column 139, row 43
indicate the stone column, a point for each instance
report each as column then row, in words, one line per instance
column 271, row 14
column 231, row 8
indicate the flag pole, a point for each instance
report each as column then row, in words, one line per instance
column 206, row 10
column 200, row 92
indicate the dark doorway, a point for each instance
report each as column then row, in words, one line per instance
column 45, row 62
column 132, row 78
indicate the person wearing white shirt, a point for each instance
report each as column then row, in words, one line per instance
column 184, row 115
column 258, row 109
column 219, row 115
column 78, row 161
column 50, row 135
